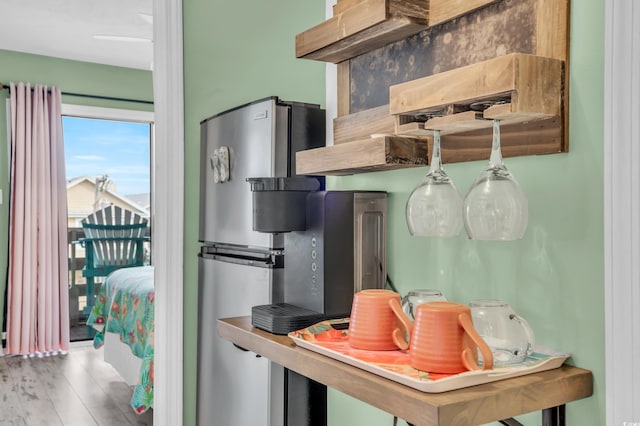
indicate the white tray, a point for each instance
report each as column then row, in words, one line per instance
column 394, row 365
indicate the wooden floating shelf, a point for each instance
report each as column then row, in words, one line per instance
column 362, row 27
column 529, row 91
column 471, row 141
column 538, row 137
column 368, row 155
column 361, row 125
column 343, row 5
column 532, row 84
column 467, row 121
column 454, row 123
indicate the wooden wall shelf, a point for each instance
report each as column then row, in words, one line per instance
column 470, row 141
column 367, row 155
column 528, row 87
column 532, row 86
column 362, row 27
column 456, row 77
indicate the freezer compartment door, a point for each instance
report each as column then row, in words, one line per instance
column 233, row 384
column 236, row 145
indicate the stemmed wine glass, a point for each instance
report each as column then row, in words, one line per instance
column 495, row 207
column 434, row 206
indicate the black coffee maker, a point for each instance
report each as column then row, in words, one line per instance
column 334, row 246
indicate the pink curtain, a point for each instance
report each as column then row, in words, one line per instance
column 38, row 297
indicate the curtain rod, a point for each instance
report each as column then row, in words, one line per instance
column 82, row 95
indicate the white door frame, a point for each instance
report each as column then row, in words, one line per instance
column 167, row 210
column 622, row 211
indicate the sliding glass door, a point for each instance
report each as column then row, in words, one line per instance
column 108, row 163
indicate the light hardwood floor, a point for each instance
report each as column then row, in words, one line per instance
column 74, row 389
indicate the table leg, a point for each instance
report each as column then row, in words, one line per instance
column 553, row 416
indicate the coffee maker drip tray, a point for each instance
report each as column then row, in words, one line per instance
column 283, row 318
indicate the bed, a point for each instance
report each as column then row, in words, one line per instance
column 123, row 314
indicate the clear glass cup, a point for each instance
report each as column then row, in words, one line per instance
column 434, row 207
column 509, row 336
column 417, row 297
column 496, row 207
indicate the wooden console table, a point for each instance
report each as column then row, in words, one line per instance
column 496, row 401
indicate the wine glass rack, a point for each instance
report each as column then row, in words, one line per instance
column 447, row 65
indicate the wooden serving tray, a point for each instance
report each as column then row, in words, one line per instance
column 330, row 338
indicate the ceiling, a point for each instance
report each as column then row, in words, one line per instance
column 66, row 29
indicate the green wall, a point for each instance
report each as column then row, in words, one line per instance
column 243, row 50
column 72, row 77
column 234, row 52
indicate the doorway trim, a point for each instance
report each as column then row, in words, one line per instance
column 621, row 211
column 116, row 114
column 167, row 210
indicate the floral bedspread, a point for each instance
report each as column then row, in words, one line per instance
column 125, row 306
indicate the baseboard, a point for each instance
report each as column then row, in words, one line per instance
column 81, row 344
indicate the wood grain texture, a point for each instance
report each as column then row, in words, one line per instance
column 74, row 389
column 343, row 5
column 447, row 124
column 456, row 123
column 413, row 129
column 373, row 154
column 463, row 407
column 383, row 33
column 37, row 407
column 344, row 88
column 363, row 124
column 533, row 83
column 552, row 28
column 445, row 10
column 362, row 27
column 533, row 137
column 478, row 34
column 537, row 137
column 348, row 23
column 552, row 40
column 501, row 28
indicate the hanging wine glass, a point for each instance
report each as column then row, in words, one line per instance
column 434, row 206
column 495, row 207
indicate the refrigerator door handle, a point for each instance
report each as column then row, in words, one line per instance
column 268, row 260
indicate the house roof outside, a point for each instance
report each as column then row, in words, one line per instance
column 143, row 200
column 82, row 200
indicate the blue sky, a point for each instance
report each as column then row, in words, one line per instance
column 119, row 149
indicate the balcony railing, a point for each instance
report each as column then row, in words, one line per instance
column 77, row 283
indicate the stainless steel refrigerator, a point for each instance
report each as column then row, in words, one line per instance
column 239, row 267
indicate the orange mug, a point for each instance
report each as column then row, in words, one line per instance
column 443, row 339
column 373, row 321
